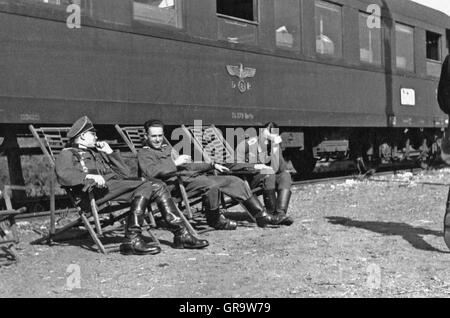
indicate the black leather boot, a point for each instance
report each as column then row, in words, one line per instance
column 270, row 200
column 218, row 221
column 182, row 238
column 259, row 212
column 168, row 211
column 284, row 196
column 134, row 243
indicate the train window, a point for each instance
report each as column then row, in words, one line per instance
column 328, row 18
column 433, row 46
column 56, row 2
column 241, row 9
column 287, row 23
column 447, row 35
column 166, row 12
column 237, row 21
column 369, row 41
column 54, row 9
column 404, row 41
column 433, row 42
column 62, row 4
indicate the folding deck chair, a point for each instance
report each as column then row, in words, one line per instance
column 209, row 141
column 52, row 141
column 134, row 138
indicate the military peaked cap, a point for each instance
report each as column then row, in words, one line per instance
column 82, row 125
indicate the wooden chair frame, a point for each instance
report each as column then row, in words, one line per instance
column 52, row 140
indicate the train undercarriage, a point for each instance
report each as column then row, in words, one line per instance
column 362, row 149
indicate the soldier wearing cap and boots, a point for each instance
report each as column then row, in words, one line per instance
column 88, row 163
column 158, row 160
column 275, row 181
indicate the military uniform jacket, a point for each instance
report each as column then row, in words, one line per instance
column 255, row 151
column 74, row 164
column 158, row 163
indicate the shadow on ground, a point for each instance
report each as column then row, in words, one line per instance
column 413, row 235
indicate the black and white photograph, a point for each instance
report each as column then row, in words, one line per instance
column 225, row 154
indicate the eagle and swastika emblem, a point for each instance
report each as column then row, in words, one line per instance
column 242, row 73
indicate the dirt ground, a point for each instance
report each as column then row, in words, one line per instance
column 350, row 239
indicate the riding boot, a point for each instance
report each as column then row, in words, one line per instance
column 284, row 196
column 134, row 242
column 218, row 221
column 168, row 209
column 270, row 200
column 182, row 238
column 259, row 212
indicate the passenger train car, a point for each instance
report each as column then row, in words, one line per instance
column 341, row 78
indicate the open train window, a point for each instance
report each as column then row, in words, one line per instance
column 328, row 18
column 166, row 12
column 404, row 44
column 433, row 43
column 287, row 23
column 433, row 46
column 237, row 21
column 447, row 32
column 369, row 41
column 241, row 9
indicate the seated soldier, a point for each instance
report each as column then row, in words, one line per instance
column 158, row 160
column 277, row 184
column 91, row 164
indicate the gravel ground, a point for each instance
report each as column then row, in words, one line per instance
column 380, row 238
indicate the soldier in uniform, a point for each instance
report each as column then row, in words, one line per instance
column 276, row 183
column 158, row 160
column 92, row 164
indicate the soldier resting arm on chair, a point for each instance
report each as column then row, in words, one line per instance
column 88, row 163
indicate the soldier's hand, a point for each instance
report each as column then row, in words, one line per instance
column 221, row 168
column 103, row 146
column 98, row 179
column 183, row 159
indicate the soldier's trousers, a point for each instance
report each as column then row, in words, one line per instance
column 278, row 181
column 126, row 190
column 212, row 186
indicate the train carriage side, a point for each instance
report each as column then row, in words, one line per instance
column 315, row 67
